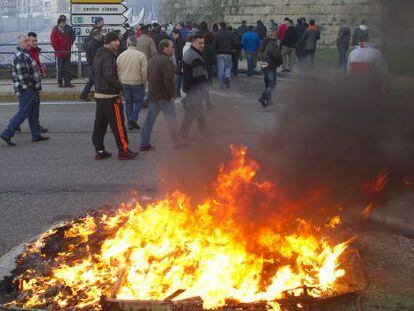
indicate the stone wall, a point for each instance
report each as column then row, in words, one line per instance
column 327, row 13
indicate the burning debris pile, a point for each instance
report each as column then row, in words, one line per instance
column 151, row 251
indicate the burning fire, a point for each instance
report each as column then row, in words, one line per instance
column 218, row 250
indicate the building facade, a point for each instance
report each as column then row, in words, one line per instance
column 327, row 13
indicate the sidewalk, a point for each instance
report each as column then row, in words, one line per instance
column 50, row 90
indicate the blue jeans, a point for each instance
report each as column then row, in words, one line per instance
column 270, row 77
column 224, row 65
column 29, row 106
column 155, row 107
column 250, row 63
column 134, row 98
column 342, row 57
column 178, row 83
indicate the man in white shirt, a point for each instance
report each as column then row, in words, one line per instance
column 367, row 64
column 132, row 70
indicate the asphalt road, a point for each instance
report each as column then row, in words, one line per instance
column 46, row 183
column 43, row 183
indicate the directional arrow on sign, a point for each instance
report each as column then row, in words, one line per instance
column 84, row 31
column 91, row 19
column 98, row 9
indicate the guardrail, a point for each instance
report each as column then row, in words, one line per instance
column 47, row 58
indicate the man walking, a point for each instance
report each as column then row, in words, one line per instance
column 360, row 32
column 93, row 46
column 61, row 41
column 222, row 44
column 310, row 43
column 146, row 44
column 108, row 102
column 34, row 53
column 270, row 59
column 289, row 47
column 367, row 65
column 132, row 70
column 342, row 43
column 27, row 83
column 250, row 43
column 161, row 94
column 196, row 87
column 179, row 43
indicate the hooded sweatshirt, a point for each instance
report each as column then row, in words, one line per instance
column 358, row 33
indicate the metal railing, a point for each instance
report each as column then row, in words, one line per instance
column 47, row 58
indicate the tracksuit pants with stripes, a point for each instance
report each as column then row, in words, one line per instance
column 109, row 111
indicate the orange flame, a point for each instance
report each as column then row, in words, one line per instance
column 205, row 249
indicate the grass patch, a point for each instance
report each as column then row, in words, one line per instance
column 398, row 59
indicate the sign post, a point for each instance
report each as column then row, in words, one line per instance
column 84, row 14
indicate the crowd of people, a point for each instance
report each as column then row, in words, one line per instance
column 160, row 63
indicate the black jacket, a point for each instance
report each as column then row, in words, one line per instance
column 223, row 42
column 158, row 36
column 178, row 46
column 195, row 76
column 93, row 47
column 261, row 30
column 105, row 72
column 270, row 56
column 344, row 37
column 290, row 38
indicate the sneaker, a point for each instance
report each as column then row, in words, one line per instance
column 227, row 83
column 60, row 85
column 40, row 139
column 84, row 98
column 102, row 154
column 133, row 126
column 69, row 85
column 8, row 141
column 263, row 102
column 146, row 148
column 43, row 129
column 129, row 155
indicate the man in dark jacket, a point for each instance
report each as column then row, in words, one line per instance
column 94, row 45
column 342, row 44
column 222, row 44
column 360, row 32
column 161, row 94
column 196, row 88
column 270, row 59
column 300, row 29
column 157, row 35
column 310, row 42
column 179, row 43
column 261, row 29
column 242, row 29
column 289, row 47
column 108, row 101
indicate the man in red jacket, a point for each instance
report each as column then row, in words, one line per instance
column 34, row 52
column 61, row 41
